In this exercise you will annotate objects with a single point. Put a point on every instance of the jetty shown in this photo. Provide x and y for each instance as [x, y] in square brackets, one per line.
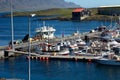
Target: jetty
[8, 52]
[54, 40]
[35, 56]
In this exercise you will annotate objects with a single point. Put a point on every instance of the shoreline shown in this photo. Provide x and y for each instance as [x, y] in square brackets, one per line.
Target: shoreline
[90, 18]
[64, 15]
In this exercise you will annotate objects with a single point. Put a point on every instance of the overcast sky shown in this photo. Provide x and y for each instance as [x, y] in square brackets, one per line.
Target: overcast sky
[95, 3]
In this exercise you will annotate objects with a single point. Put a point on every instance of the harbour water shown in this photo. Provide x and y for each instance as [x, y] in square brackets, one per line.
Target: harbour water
[57, 70]
[62, 27]
[51, 70]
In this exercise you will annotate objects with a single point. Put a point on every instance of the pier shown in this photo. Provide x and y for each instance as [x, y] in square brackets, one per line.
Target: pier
[35, 56]
[33, 43]
[7, 53]
[63, 57]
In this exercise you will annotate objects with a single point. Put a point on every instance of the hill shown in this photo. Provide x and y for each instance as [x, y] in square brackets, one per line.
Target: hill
[33, 5]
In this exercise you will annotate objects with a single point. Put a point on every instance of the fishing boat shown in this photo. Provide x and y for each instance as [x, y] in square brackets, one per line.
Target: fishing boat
[113, 60]
[64, 52]
[45, 32]
[80, 42]
[84, 52]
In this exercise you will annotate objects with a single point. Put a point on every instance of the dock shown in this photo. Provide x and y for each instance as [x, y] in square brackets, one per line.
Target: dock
[33, 43]
[63, 57]
[7, 53]
[35, 56]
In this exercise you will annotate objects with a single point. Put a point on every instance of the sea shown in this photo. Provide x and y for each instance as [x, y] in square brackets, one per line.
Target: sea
[17, 67]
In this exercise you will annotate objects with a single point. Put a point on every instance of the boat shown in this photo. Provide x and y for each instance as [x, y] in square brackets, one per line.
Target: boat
[84, 52]
[64, 52]
[80, 42]
[111, 60]
[45, 32]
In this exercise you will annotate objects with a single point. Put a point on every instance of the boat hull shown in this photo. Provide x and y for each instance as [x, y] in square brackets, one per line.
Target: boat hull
[108, 62]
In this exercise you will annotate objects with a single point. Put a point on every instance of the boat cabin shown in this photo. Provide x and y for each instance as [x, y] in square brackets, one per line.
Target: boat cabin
[45, 32]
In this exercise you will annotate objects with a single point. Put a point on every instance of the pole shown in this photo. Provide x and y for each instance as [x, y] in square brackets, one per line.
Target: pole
[29, 48]
[11, 9]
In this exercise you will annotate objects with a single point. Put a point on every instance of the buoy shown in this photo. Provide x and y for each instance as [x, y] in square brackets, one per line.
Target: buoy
[40, 58]
[43, 58]
[89, 60]
[47, 58]
[32, 57]
[36, 58]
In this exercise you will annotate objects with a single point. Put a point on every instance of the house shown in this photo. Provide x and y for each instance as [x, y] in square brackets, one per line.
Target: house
[80, 13]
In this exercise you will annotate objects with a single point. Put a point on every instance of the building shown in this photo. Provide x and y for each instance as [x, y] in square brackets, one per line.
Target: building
[109, 10]
[80, 14]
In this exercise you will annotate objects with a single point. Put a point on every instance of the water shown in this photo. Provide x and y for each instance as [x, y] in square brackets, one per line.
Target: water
[62, 27]
[51, 70]
[57, 70]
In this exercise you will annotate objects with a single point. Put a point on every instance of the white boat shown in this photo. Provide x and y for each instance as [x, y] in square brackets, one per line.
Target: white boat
[83, 52]
[63, 52]
[45, 32]
[112, 42]
[80, 42]
[107, 61]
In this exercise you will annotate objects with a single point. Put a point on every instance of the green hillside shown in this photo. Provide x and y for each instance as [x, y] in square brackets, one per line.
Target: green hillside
[61, 12]
[64, 14]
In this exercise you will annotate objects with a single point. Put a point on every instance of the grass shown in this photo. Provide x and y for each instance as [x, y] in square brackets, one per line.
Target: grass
[65, 14]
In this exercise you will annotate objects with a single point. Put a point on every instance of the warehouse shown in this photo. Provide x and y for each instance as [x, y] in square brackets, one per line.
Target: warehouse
[109, 10]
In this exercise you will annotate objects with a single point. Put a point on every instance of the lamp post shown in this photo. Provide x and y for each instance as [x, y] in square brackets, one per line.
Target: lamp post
[29, 45]
[12, 28]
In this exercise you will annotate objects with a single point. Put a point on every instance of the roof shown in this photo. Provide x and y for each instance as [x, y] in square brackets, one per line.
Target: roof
[109, 6]
[78, 10]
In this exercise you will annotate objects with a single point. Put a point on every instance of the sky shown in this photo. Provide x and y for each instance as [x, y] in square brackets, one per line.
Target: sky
[95, 3]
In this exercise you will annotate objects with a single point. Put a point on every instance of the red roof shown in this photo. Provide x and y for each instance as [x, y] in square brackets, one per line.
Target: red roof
[78, 10]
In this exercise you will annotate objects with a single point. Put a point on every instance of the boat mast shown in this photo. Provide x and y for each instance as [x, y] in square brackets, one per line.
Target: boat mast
[12, 28]
[29, 47]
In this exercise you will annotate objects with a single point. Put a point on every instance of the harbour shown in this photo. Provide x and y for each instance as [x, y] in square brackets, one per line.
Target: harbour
[59, 40]
[53, 60]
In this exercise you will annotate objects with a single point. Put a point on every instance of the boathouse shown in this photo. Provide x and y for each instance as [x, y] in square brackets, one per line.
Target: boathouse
[80, 13]
[109, 10]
